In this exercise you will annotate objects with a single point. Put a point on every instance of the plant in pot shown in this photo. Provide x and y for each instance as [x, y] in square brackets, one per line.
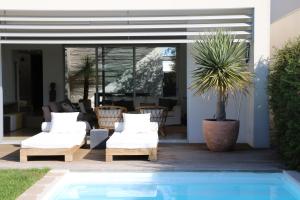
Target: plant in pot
[222, 71]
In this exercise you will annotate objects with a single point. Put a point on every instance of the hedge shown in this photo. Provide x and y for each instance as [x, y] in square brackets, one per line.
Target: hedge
[284, 91]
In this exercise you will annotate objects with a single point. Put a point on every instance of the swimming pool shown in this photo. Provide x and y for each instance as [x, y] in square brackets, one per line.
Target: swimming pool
[175, 185]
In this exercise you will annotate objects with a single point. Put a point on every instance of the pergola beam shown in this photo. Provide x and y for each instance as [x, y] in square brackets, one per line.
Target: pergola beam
[122, 19]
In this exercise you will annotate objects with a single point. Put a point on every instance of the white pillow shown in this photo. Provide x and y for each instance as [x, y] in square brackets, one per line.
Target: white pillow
[63, 122]
[136, 123]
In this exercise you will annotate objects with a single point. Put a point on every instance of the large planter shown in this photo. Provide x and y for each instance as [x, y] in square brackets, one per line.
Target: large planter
[220, 135]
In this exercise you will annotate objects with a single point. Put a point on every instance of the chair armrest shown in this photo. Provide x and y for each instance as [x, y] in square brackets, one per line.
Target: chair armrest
[46, 126]
[119, 126]
[176, 110]
[154, 126]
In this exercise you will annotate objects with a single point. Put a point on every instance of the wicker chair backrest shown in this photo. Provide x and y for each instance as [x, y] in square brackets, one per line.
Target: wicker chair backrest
[108, 115]
[158, 113]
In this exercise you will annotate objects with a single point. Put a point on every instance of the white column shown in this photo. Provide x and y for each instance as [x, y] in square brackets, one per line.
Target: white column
[259, 111]
[1, 96]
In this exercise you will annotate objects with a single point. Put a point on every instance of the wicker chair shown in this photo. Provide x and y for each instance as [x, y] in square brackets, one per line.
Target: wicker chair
[158, 114]
[108, 115]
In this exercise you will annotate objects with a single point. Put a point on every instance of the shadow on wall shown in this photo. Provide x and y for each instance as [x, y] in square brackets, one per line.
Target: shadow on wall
[260, 137]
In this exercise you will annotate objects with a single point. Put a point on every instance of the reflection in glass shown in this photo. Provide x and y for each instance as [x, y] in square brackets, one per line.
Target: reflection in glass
[80, 73]
[125, 71]
[118, 69]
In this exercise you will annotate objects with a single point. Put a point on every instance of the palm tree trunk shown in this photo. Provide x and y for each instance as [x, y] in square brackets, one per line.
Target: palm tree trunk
[86, 88]
[220, 113]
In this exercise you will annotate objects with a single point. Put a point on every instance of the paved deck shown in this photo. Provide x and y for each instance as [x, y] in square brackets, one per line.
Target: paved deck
[183, 157]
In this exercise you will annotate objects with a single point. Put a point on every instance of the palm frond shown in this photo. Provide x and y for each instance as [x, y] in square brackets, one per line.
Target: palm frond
[221, 65]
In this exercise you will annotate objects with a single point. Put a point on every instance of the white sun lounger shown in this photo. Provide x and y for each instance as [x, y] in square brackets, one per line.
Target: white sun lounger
[121, 143]
[49, 143]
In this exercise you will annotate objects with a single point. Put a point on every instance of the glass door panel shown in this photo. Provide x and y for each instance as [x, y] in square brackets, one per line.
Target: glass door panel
[118, 69]
[80, 74]
[155, 71]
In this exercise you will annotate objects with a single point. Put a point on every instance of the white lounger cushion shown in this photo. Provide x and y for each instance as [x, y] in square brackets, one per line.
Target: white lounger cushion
[148, 139]
[132, 141]
[63, 122]
[51, 140]
[136, 122]
[80, 125]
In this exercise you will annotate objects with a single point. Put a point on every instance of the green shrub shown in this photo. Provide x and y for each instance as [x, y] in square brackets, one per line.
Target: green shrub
[284, 90]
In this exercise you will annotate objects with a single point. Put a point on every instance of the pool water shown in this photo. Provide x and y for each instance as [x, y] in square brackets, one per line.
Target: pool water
[176, 185]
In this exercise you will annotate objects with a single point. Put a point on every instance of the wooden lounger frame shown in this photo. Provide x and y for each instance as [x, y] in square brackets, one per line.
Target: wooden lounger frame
[110, 152]
[68, 153]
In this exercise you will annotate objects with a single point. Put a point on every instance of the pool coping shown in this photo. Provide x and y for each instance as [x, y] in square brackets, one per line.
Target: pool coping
[42, 187]
[38, 190]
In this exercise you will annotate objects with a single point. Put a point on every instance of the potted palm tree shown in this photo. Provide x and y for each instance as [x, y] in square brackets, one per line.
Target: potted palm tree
[222, 71]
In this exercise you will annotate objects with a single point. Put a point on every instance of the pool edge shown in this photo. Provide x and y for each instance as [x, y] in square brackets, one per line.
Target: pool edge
[293, 175]
[43, 186]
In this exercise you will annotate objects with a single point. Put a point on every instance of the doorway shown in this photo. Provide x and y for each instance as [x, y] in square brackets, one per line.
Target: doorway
[23, 116]
[29, 81]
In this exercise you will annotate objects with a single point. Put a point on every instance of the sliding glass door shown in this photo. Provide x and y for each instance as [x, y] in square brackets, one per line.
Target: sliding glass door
[120, 73]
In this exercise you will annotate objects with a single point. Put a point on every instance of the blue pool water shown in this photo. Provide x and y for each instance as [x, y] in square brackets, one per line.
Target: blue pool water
[176, 185]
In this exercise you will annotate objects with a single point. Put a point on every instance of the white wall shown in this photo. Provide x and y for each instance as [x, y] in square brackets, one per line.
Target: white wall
[254, 116]
[259, 115]
[281, 8]
[53, 70]
[200, 108]
[285, 29]
[124, 5]
[285, 16]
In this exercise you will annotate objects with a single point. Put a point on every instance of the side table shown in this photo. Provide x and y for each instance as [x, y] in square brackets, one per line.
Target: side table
[98, 138]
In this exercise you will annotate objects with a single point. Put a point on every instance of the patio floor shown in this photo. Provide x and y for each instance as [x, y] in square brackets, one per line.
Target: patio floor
[183, 157]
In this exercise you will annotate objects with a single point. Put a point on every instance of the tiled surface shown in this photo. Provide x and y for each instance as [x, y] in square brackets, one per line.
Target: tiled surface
[39, 189]
[184, 157]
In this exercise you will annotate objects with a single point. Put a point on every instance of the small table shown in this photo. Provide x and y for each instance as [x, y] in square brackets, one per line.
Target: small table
[98, 138]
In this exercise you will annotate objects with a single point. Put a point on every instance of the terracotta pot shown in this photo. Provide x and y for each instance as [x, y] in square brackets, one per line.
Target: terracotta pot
[220, 135]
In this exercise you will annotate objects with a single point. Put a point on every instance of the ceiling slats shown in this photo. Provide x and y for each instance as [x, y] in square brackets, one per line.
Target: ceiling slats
[115, 19]
[80, 27]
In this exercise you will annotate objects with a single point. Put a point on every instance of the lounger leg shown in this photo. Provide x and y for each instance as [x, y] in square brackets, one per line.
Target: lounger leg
[153, 155]
[68, 157]
[23, 156]
[108, 158]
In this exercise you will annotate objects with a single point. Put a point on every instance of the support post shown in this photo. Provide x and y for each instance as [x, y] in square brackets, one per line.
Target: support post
[259, 109]
[1, 95]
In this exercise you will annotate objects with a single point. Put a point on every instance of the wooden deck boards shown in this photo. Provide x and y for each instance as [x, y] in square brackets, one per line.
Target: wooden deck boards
[183, 157]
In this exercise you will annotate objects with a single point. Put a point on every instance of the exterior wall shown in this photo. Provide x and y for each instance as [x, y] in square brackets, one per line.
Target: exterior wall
[259, 109]
[285, 16]
[125, 5]
[53, 70]
[285, 29]
[254, 117]
[199, 108]
[281, 8]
